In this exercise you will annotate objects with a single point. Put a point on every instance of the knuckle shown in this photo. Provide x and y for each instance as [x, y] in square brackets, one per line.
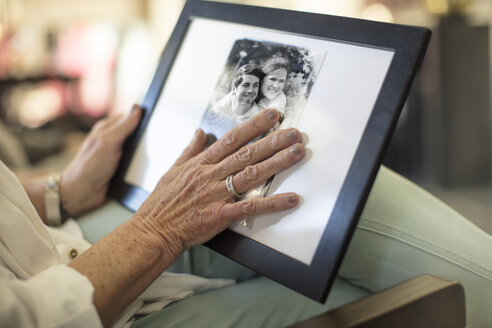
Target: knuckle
[192, 176]
[229, 138]
[247, 207]
[277, 162]
[244, 155]
[250, 174]
[201, 160]
[271, 203]
[273, 141]
[253, 124]
[198, 173]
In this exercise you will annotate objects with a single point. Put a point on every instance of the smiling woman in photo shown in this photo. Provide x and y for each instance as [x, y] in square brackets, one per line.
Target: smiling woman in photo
[272, 95]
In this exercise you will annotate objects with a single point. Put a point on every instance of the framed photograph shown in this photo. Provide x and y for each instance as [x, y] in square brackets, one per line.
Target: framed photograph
[341, 81]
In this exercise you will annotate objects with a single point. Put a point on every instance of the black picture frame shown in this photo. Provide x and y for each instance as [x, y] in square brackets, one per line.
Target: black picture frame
[409, 45]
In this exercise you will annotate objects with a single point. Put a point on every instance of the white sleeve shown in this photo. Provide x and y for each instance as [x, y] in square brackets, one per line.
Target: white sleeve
[56, 297]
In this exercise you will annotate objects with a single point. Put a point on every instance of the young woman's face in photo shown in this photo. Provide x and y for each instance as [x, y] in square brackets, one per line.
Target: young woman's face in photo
[274, 83]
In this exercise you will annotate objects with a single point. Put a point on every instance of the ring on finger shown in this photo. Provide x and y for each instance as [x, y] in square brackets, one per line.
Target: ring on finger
[230, 187]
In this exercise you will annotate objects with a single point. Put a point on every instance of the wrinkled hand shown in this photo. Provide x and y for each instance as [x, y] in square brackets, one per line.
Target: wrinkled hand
[191, 203]
[85, 182]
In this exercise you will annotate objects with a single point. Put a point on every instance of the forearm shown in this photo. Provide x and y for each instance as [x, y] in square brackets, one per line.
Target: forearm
[121, 266]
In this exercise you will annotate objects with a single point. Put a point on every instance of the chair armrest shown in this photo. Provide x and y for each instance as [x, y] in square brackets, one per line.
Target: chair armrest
[424, 301]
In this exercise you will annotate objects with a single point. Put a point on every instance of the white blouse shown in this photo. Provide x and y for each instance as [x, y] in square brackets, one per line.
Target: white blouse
[37, 289]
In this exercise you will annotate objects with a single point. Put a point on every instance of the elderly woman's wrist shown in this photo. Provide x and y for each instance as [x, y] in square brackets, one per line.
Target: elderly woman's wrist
[67, 199]
[167, 244]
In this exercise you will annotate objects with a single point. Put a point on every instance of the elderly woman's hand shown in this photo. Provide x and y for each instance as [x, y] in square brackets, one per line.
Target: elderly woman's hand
[85, 182]
[191, 203]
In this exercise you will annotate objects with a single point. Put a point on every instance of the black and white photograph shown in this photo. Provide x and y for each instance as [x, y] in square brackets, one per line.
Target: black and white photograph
[260, 75]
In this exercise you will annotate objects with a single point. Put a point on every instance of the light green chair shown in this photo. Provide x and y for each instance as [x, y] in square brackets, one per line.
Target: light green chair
[404, 232]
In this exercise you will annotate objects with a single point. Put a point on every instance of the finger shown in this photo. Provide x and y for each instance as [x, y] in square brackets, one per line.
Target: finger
[196, 146]
[254, 175]
[103, 124]
[123, 127]
[240, 135]
[258, 151]
[255, 206]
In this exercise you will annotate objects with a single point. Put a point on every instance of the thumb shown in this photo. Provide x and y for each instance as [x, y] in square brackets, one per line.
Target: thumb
[127, 124]
[196, 146]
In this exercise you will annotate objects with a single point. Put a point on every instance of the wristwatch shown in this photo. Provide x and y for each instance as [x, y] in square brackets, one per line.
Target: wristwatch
[53, 207]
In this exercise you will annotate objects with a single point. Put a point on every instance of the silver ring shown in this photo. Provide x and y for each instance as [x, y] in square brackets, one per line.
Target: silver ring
[230, 187]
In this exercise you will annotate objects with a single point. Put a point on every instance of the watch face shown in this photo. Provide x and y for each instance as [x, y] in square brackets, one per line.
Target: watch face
[53, 183]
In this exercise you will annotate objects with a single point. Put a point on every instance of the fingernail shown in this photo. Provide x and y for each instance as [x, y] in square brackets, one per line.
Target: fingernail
[211, 139]
[292, 198]
[271, 114]
[295, 150]
[197, 132]
[135, 109]
[292, 135]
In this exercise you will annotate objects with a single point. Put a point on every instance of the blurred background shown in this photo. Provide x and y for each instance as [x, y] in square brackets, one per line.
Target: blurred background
[65, 64]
